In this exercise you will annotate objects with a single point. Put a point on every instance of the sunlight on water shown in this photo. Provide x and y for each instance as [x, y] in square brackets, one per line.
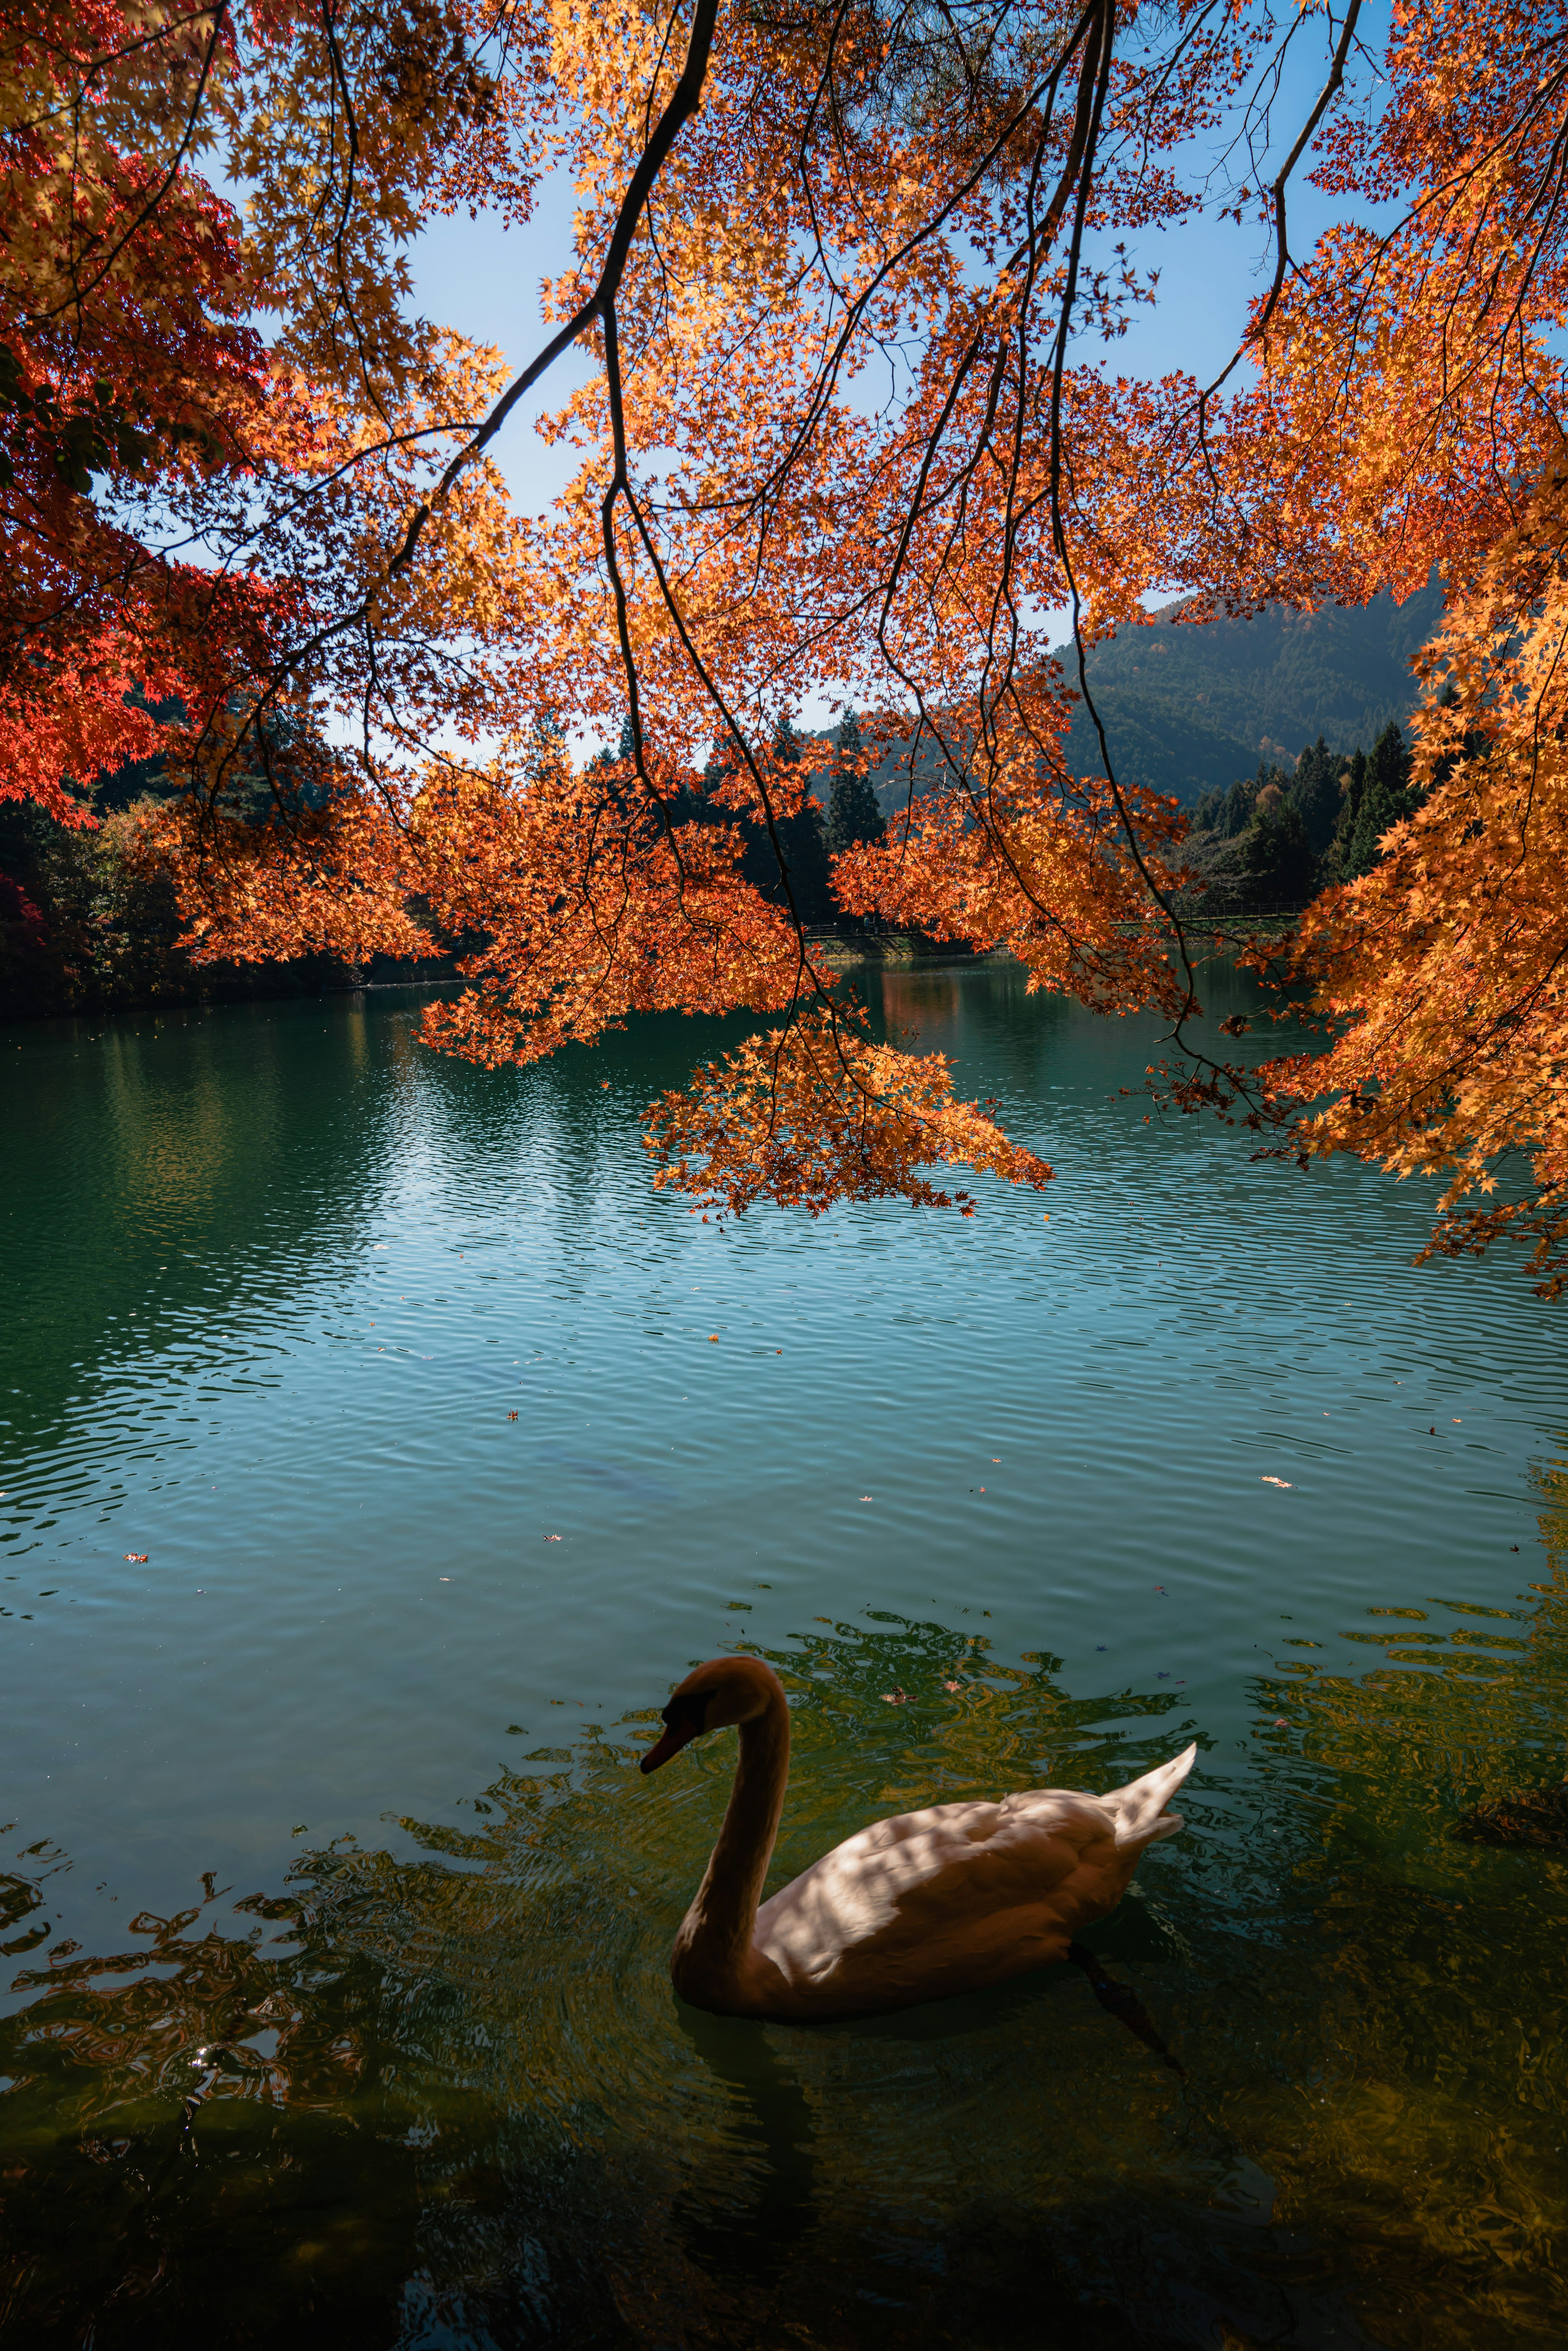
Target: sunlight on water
[336, 1915]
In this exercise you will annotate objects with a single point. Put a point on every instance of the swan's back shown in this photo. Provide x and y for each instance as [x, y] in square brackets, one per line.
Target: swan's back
[960, 1895]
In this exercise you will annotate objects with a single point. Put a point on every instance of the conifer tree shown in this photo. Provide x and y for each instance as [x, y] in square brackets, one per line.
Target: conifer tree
[1385, 797]
[1277, 853]
[1353, 787]
[1314, 794]
[854, 815]
[1208, 811]
[1240, 803]
[800, 842]
[804, 837]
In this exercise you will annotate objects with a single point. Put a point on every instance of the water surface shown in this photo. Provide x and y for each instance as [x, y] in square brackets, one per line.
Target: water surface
[337, 1913]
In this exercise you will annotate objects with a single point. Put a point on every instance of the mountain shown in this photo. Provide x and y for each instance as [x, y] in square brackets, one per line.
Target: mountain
[1187, 704]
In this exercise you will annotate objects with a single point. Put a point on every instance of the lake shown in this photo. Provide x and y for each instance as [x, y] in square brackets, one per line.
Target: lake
[378, 1452]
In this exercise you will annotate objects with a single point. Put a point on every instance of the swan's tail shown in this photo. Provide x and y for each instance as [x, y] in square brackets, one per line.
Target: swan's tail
[1139, 1808]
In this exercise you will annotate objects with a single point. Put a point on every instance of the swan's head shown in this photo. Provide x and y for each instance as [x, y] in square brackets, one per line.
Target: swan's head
[725, 1690]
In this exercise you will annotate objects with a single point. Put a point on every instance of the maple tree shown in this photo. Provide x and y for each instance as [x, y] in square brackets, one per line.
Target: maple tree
[851, 274]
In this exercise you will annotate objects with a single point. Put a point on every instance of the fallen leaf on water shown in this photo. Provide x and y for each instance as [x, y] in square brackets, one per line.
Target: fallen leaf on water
[511, 1416]
[952, 1685]
[868, 1498]
[552, 1539]
[895, 1698]
[446, 1579]
[137, 1558]
[713, 1338]
[1267, 1480]
[1281, 1723]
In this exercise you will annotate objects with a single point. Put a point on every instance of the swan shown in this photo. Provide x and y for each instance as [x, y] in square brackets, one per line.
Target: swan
[945, 1900]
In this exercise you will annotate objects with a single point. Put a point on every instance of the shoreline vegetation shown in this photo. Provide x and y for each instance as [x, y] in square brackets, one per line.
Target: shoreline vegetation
[84, 927]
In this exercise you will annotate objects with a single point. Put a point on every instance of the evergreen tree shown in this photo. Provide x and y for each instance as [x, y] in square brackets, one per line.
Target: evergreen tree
[1209, 812]
[1383, 797]
[625, 750]
[1279, 859]
[805, 840]
[852, 813]
[1313, 793]
[801, 841]
[1353, 785]
[548, 752]
[1240, 803]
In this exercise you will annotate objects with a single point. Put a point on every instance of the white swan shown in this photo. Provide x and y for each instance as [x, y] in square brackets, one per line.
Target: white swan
[910, 1910]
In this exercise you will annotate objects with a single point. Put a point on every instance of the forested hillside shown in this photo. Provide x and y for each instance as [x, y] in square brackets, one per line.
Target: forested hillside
[1189, 705]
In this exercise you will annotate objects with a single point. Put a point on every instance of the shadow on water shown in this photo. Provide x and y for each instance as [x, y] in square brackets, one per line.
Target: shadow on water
[775, 2143]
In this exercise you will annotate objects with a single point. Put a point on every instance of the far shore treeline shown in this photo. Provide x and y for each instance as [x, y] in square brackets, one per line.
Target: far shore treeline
[84, 927]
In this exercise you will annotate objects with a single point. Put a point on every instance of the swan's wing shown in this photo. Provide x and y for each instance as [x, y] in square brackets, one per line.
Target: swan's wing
[952, 1875]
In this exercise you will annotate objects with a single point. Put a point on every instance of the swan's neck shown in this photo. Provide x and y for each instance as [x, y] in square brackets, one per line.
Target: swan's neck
[712, 1951]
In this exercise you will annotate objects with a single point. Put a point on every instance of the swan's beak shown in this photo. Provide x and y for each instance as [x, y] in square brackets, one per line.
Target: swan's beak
[677, 1734]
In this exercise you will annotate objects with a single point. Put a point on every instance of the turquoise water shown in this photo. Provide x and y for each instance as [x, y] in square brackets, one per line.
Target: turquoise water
[337, 2008]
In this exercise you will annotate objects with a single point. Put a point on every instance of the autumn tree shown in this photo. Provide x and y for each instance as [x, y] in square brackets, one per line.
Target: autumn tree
[208, 423]
[851, 278]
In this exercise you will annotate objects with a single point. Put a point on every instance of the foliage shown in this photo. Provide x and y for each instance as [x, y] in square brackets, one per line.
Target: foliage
[83, 925]
[188, 503]
[817, 1112]
[1441, 966]
[86, 922]
[846, 278]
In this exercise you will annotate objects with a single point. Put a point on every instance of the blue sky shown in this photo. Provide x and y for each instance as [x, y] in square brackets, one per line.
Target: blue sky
[484, 279]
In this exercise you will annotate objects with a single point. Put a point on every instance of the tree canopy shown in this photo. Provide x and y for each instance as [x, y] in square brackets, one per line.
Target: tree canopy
[851, 277]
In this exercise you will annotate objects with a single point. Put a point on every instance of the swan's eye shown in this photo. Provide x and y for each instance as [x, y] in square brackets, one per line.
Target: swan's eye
[688, 1713]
